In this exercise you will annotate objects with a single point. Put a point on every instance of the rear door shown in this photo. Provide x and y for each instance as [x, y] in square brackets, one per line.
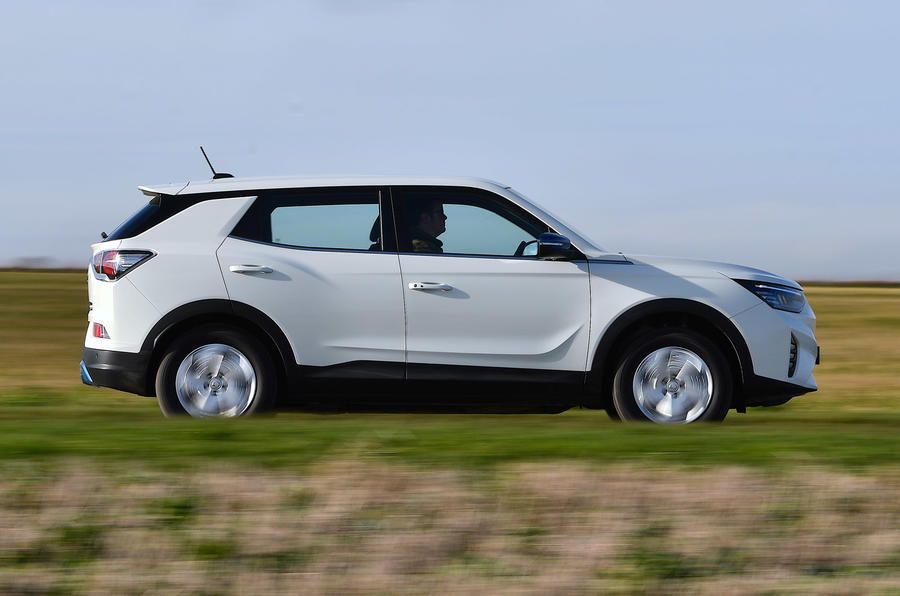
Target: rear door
[474, 298]
[313, 261]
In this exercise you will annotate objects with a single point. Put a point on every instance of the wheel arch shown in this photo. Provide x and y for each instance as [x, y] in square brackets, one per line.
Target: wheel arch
[219, 312]
[664, 312]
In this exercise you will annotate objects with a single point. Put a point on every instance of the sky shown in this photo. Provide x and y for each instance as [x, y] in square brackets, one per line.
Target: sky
[765, 133]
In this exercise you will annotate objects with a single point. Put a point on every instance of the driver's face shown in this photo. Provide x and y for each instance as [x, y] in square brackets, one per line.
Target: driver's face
[434, 221]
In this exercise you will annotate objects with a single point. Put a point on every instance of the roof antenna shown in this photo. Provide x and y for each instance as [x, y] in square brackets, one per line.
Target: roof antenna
[216, 175]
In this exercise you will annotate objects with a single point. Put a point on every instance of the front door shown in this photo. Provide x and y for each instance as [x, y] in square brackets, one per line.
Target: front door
[475, 298]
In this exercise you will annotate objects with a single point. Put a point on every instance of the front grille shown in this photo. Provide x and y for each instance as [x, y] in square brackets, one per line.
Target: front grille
[792, 359]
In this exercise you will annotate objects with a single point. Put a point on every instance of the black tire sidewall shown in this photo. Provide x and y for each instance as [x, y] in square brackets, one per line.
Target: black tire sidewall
[622, 391]
[249, 346]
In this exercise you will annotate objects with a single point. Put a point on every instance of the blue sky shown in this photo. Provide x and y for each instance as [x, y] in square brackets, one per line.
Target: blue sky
[763, 133]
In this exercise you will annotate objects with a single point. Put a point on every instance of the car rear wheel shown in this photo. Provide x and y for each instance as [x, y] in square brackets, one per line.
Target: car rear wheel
[672, 377]
[214, 372]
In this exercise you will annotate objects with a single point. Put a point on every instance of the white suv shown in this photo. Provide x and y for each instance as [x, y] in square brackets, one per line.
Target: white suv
[223, 297]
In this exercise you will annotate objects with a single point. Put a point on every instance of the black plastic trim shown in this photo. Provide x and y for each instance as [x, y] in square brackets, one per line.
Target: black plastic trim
[378, 370]
[124, 371]
[388, 227]
[359, 369]
[456, 255]
[490, 374]
[221, 306]
[605, 360]
[763, 391]
[238, 310]
[601, 261]
[307, 248]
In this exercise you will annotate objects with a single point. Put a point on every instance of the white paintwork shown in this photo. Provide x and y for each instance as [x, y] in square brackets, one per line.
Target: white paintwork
[343, 306]
[183, 270]
[121, 308]
[615, 288]
[517, 313]
[768, 334]
[333, 306]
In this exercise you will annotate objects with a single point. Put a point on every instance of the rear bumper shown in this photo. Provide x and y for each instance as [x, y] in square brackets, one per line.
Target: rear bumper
[124, 371]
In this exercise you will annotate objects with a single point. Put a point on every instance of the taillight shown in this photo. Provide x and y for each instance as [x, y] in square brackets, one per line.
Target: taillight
[100, 331]
[110, 265]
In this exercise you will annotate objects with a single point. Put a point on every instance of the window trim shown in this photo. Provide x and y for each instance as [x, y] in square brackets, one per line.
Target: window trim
[389, 230]
[258, 210]
[578, 256]
[309, 248]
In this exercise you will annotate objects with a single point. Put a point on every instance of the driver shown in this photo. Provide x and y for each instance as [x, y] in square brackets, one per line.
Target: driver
[427, 223]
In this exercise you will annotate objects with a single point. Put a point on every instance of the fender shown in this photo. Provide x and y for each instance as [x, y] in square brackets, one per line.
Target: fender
[232, 308]
[604, 354]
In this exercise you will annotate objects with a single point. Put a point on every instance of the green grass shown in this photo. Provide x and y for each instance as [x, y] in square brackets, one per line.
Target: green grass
[45, 413]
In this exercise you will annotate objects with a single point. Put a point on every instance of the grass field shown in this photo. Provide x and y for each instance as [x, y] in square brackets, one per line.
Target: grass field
[99, 493]
[45, 411]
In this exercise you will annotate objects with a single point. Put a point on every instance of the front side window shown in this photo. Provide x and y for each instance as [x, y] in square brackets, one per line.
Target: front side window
[463, 221]
[333, 218]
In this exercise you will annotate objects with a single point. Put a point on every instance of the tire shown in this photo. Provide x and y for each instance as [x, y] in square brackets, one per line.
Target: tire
[216, 372]
[611, 412]
[672, 377]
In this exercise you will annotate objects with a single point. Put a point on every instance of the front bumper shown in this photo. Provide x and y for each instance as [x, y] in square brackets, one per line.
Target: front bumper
[124, 371]
[762, 391]
[769, 335]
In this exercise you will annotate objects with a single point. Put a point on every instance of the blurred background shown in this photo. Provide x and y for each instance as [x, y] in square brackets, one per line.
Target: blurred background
[766, 131]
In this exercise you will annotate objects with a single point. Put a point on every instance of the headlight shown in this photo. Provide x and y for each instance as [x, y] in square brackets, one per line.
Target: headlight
[776, 296]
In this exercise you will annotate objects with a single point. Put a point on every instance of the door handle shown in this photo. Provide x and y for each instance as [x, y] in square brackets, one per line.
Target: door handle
[250, 269]
[428, 286]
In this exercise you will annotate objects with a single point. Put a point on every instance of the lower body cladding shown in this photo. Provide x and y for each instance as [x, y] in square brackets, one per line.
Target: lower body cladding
[384, 386]
[124, 371]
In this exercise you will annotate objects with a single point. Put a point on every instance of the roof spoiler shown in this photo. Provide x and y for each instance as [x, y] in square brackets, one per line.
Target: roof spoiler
[167, 189]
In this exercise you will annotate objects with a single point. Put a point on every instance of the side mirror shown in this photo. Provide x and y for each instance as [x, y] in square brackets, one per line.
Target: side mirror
[553, 247]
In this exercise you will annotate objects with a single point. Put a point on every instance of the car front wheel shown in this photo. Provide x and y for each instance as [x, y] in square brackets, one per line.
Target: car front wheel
[215, 372]
[672, 377]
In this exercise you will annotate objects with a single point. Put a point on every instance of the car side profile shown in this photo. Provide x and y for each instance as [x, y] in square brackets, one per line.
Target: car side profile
[233, 296]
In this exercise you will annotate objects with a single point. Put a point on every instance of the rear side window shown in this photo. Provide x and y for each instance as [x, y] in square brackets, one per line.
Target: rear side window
[342, 226]
[327, 218]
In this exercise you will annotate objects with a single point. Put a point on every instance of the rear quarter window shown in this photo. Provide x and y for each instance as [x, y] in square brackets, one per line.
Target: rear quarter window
[141, 221]
[158, 210]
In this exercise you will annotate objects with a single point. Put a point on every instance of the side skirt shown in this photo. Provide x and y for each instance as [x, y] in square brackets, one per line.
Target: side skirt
[380, 386]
